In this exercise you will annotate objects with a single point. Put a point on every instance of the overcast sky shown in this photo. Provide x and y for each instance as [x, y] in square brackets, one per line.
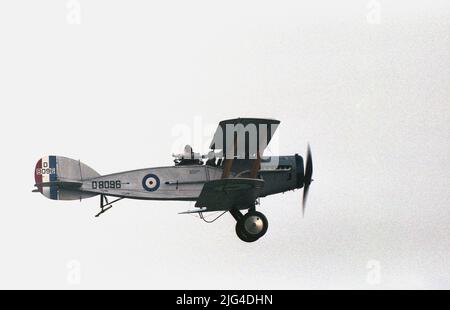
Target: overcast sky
[367, 83]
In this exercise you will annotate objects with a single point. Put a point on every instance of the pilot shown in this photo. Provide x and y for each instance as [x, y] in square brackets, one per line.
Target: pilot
[211, 159]
[189, 157]
[188, 152]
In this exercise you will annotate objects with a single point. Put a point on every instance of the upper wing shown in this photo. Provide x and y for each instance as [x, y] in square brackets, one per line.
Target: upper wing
[226, 194]
[244, 138]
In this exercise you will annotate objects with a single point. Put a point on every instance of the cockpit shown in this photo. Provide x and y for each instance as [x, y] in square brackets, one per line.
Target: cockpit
[189, 157]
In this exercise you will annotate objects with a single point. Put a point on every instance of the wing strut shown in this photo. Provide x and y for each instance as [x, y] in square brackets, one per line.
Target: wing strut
[256, 166]
[229, 161]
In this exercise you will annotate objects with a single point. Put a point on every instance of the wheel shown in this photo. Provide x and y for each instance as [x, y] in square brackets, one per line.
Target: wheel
[240, 232]
[252, 226]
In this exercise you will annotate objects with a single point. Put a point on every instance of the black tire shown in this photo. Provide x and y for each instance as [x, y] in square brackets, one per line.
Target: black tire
[248, 236]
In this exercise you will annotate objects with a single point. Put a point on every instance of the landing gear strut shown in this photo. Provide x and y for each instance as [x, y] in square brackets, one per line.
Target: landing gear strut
[105, 207]
[251, 226]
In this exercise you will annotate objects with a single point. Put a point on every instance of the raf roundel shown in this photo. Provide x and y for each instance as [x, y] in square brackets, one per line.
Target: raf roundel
[150, 182]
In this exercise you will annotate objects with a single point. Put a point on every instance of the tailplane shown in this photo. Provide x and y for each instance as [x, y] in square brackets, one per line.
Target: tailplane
[61, 178]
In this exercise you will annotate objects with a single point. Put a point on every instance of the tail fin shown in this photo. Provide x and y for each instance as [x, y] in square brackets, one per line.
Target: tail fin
[60, 178]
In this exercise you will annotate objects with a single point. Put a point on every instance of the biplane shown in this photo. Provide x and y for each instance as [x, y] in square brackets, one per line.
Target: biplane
[231, 177]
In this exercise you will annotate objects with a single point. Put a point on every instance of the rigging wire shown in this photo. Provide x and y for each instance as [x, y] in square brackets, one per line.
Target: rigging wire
[212, 221]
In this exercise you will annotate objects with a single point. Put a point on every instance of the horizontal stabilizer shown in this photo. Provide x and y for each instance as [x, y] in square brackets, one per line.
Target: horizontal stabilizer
[61, 184]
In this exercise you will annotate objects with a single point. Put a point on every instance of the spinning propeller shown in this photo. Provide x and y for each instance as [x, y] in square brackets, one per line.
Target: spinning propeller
[307, 178]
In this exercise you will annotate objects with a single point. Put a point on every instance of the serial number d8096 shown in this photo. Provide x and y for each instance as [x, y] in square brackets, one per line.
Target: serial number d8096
[106, 184]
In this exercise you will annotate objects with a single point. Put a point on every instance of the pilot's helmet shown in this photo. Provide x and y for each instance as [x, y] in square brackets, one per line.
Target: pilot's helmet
[188, 152]
[211, 155]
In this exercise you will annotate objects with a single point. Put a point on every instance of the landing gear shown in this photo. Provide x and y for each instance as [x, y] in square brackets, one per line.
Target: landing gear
[106, 206]
[251, 226]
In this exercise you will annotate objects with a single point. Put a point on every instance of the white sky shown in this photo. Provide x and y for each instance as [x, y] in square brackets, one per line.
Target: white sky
[371, 96]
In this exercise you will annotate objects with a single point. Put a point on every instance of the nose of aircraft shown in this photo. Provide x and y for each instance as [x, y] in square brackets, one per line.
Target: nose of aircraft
[304, 174]
[300, 171]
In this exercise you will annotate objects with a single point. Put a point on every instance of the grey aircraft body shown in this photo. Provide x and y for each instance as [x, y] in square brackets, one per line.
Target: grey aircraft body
[232, 177]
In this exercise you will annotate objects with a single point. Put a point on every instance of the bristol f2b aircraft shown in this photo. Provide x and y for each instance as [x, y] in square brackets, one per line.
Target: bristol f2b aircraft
[232, 177]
